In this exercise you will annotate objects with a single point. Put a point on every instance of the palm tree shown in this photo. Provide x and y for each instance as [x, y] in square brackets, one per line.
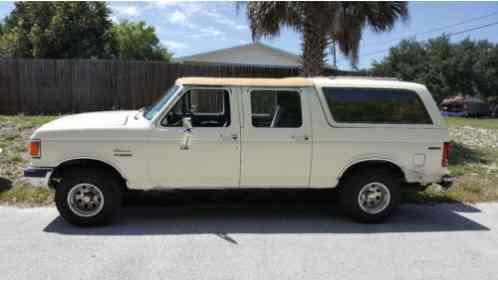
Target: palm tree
[322, 22]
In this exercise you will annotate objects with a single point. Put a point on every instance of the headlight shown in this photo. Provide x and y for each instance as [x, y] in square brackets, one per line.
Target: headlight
[35, 148]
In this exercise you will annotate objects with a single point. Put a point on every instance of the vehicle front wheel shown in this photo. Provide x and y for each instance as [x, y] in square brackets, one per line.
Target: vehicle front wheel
[371, 196]
[87, 197]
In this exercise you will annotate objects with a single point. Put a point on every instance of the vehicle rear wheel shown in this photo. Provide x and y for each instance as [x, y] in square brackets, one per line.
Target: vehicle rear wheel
[87, 197]
[370, 196]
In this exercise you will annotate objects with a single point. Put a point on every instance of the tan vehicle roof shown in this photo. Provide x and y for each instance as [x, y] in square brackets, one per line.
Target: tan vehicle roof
[216, 81]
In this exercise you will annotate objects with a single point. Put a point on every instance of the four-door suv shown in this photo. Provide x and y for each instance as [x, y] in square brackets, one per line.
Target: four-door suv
[368, 137]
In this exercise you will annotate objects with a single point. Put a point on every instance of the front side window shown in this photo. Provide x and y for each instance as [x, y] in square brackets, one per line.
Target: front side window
[205, 107]
[376, 106]
[276, 109]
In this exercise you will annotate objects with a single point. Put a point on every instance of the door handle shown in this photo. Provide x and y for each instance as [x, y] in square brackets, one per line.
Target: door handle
[183, 131]
[232, 137]
[301, 137]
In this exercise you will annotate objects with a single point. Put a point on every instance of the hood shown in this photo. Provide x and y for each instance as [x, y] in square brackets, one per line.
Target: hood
[93, 120]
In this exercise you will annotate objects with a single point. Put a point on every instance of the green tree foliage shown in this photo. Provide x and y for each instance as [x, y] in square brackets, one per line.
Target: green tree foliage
[447, 69]
[318, 22]
[58, 30]
[137, 41]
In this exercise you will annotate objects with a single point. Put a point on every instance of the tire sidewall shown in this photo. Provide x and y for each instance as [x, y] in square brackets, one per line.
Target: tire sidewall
[110, 191]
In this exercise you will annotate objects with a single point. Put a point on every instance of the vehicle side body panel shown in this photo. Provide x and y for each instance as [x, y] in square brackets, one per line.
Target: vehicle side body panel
[416, 149]
[148, 155]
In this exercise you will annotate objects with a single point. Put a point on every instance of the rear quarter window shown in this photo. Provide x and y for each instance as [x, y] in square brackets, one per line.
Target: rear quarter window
[375, 106]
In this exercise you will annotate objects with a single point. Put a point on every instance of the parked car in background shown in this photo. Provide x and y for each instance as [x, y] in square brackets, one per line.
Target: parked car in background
[366, 137]
[493, 111]
[467, 106]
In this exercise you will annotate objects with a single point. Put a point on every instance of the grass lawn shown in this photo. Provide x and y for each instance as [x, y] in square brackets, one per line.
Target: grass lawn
[473, 162]
[455, 122]
[14, 135]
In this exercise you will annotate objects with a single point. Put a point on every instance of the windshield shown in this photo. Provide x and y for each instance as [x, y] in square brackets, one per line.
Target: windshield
[162, 102]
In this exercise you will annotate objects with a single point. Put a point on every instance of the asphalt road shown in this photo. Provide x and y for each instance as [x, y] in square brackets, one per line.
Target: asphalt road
[254, 242]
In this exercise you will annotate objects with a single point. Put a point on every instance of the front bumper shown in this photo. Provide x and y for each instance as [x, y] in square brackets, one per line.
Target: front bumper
[37, 176]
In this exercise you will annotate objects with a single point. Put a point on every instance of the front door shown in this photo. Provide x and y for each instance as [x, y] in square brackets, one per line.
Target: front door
[212, 159]
[276, 139]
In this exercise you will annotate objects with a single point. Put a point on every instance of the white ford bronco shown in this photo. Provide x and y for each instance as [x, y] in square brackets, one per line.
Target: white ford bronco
[367, 137]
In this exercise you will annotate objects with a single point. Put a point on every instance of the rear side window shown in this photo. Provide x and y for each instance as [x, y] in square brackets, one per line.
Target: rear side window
[276, 109]
[376, 106]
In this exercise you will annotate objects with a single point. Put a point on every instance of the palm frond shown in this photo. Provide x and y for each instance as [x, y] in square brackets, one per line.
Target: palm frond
[319, 21]
[267, 18]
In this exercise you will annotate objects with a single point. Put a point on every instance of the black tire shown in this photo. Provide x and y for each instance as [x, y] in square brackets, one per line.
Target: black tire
[110, 190]
[353, 184]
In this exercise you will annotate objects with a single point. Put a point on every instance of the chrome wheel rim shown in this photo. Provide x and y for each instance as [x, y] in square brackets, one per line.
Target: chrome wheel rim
[374, 197]
[85, 200]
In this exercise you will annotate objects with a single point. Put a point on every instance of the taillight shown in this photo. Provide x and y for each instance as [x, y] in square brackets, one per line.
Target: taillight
[35, 148]
[446, 154]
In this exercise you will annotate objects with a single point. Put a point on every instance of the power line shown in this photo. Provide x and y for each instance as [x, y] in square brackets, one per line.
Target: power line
[435, 29]
[432, 31]
[449, 34]
[474, 28]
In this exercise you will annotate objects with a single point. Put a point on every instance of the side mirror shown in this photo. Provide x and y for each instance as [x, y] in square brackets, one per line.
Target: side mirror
[187, 123]
[187, 133]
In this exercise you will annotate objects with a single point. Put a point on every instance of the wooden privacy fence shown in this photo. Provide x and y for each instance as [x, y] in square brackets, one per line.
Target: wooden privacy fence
[67, 86]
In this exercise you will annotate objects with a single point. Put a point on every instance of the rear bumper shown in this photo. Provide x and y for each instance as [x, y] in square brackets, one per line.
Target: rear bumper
[446, 181]
[37, 176]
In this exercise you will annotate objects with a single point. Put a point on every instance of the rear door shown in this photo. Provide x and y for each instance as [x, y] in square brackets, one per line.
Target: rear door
[276, 138]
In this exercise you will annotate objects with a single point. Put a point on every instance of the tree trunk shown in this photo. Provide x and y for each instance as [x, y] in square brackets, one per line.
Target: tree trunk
[334, 54]
[314, 40]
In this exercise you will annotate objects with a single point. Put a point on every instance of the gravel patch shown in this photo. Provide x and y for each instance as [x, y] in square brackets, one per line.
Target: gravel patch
[475, 137]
